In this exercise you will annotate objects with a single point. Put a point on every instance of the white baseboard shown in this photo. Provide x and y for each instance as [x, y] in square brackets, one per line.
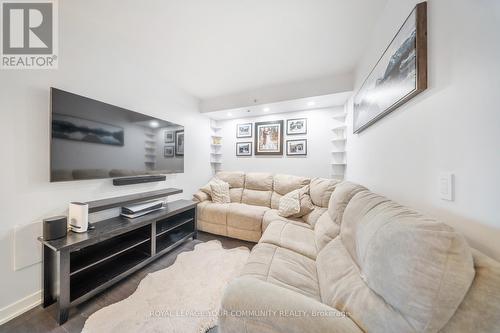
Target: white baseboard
[17, 308]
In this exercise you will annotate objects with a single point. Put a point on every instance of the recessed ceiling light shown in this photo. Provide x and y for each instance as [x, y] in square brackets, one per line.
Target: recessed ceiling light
[267, 109]
[154, 123]
[311, 103]
[229, 114]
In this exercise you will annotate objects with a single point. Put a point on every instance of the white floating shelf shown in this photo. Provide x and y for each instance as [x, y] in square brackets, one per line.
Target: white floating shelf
[339, 139]
[216, 136]
[338, 163]
[216, 144]
[215, 153]
[216, 162]
[338, 152]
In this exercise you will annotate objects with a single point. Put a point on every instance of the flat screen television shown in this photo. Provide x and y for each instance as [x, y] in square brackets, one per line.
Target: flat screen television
[92, 139]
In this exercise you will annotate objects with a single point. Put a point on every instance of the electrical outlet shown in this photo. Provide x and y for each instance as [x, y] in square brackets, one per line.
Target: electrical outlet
[446, 186]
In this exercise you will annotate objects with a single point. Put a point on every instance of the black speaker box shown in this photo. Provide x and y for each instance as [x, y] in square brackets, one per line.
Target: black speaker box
[55, 227]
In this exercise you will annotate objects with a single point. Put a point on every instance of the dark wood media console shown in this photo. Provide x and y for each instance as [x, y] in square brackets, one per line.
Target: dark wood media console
[79, 266]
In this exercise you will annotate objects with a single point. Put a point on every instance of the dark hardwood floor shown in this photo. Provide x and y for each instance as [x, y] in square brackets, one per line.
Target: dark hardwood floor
[39, 320]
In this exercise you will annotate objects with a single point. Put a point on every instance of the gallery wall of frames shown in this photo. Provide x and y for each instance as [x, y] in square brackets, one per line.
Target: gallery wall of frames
[278, 137]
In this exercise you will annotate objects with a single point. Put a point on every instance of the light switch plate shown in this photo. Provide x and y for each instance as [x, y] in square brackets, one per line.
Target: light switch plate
[446, 186]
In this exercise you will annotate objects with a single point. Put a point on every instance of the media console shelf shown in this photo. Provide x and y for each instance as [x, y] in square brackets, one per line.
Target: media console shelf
[79, 266]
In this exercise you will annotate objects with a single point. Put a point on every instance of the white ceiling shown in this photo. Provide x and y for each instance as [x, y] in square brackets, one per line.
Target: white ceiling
[219, 47]
[301, 104]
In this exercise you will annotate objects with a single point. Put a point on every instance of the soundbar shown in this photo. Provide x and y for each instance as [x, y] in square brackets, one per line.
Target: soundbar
[138, 180]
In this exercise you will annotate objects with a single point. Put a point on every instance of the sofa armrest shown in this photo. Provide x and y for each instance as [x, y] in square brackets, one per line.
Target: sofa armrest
[201, 196]
[254, 306]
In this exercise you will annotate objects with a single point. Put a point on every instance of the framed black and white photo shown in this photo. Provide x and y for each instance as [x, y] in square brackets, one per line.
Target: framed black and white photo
[169, 137]
[269, 138]
[168, 151]
[243, 149]
[179, 143]
[399, 75]
[296, 147]
[296, 126]
[244, 130]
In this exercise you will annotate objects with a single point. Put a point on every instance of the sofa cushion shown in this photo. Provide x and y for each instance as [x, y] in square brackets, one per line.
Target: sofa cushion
[283, 267]
[321, 190]
[256, 197]
[234, 178]
[283, 184]
[273, 215]
[246, 217]
[343, 288]
[343, 193]
[313, 216]
[325, 230]
[275, 200]
[418, 266]
[480, 309]
[291, 236]
[212, 212]
[289, 204]
[261, 181]
[235, 194]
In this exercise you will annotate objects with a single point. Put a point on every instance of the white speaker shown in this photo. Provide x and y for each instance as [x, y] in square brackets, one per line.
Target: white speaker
[78, 216]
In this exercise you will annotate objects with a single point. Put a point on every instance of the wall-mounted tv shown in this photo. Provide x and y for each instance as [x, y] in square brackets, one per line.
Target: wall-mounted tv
[92, 139]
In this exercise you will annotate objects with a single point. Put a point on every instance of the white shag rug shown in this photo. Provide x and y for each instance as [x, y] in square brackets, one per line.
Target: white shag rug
[182, 298]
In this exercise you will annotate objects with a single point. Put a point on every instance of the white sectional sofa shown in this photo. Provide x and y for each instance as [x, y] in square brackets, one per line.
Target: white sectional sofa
[365, 264]
[254, 203]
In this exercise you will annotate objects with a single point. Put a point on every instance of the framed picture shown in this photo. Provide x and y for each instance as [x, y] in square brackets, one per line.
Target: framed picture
[296, 126]
[168, 151]
[296, 147]
[169, 137]
[86, 130]
[243, 149]
[179, 143]
[269, 138]
[399, 75]
[244, 130]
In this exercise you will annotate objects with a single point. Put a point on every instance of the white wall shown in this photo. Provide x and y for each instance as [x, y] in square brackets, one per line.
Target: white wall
[453, 126]
[315, 164]
[94, 64]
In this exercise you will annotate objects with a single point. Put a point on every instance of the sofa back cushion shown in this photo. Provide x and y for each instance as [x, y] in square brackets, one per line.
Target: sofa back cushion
[258, 189]
[321, 190]
[283, 184]
[420, 268]
[480, 309]
[343, 193]
[235, 179]
[328, 225]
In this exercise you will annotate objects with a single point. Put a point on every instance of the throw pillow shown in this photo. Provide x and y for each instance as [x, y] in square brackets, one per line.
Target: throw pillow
[206, 189]
[306, 204]
[220, 192]
[289, 204]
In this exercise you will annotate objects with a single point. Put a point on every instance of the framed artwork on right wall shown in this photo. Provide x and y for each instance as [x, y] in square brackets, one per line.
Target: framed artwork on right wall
[399, 75]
